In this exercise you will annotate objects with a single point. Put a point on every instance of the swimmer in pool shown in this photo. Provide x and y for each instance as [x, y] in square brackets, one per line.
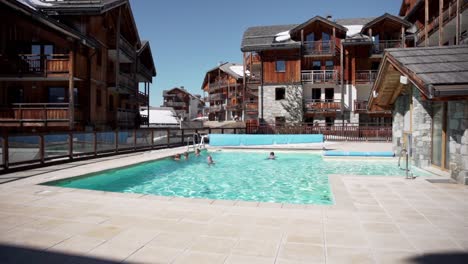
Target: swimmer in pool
[272, 156]
[177, 156]
[210, 160]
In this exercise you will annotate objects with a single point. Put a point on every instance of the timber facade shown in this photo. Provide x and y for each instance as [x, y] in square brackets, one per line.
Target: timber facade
[83, 72]
[186, 105]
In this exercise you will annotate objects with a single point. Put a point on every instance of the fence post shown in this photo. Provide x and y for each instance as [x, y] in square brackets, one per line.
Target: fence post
[235, 130]
[209, 130]
[222, 130]
[116, 141]
[95, 143]
[168, 138]
[183, 134]
[152, 138]
[41, 148]
[5, 157]
[134, 139]
[70, 145]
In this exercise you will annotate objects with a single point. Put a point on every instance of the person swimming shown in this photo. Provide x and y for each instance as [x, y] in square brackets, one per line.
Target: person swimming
[197, 152]
[272, 156]
[210, 160]
[177, 156]
[186, 155]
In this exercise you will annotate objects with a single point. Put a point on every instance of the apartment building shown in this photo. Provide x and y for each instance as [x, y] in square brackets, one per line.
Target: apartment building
[328, 65]
[185, 105]
[223, 86]
[426, 88]
[75, 65]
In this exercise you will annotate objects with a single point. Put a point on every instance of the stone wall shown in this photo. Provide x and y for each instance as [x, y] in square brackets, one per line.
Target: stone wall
[421, 130]
[457, 130]
[401, 107]
[272, 108]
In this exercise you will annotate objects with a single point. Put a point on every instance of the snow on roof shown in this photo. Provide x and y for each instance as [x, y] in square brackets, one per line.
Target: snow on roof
[353, 29]
[282, 36]
[33, 4]
[161, 116]
[239, 70]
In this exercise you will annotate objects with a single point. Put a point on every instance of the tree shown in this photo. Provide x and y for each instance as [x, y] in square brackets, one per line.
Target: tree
[294, 104]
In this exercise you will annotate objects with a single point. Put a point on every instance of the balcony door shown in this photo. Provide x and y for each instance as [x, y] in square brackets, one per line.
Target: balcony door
[310, 37]
[326, 47]
[329, 94]
[316, 94]
[440, 140]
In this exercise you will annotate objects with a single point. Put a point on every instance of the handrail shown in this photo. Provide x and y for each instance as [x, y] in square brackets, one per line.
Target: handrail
[320, 76]
[409, 175]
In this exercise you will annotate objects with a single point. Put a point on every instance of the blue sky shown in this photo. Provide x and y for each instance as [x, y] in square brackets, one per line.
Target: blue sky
[189, 37]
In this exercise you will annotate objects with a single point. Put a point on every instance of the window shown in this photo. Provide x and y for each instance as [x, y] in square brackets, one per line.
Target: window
[56, 95]
[15, 95]
[98, 97]
[75, 95]
[316, 65]
[111, 103]
[310, 37]
[280, 121]
[375, 65]
[329, 65]
[326, 42]
[329, 94]
[316, 93]
[280, 66]
[280, 93]
[330, 121]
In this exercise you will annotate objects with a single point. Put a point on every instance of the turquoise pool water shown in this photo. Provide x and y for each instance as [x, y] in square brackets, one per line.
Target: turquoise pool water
[292, 178]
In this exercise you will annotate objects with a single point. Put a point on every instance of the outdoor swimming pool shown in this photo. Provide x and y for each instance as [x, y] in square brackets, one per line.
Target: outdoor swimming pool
[297, 178]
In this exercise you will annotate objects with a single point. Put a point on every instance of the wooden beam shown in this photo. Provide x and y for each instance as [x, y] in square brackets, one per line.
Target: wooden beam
[458, 24]
[441, 22]
[71, 85]
[403, 37]
[426, 22]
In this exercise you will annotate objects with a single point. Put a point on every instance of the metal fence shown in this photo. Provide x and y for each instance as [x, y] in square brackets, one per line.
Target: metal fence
[22, 151]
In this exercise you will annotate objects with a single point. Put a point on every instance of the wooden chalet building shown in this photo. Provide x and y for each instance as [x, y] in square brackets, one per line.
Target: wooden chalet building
[71, 65]
[333, 62]
[426, 88]
[224, 90]
[185, 105]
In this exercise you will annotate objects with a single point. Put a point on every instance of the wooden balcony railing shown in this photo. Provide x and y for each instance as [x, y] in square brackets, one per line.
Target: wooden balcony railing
[251, 106]
[327, 105]
[37, 114]
[366, 76]
[326, 76]
[143, 70]
[128, 82]
[217, 97]
[449, 13]
[126, 117]
[217, 108]
[360, 106]
[34, 65]
[174, 104]
[127, 48]
[142, 98]
[318, 47]
[381, 46]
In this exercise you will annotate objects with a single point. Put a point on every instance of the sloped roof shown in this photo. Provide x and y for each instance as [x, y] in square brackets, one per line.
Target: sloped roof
[161, 116]
[354, 21]
[435, 71]
[146, 46]
[319, 19]
[77, 7]
[263, 37]
[383, 17]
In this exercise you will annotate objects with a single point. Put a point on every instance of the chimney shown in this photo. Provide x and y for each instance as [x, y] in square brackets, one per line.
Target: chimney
[329, 17]
[182, 87]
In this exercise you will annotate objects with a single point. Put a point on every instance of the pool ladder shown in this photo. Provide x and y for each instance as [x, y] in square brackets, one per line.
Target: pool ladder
[194, 142]
[409, 174]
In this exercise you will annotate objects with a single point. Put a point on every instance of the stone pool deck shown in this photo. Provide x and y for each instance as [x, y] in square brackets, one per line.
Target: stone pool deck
[374, 220]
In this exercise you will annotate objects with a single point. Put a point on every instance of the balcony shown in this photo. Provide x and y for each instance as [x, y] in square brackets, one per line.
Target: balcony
[37, 115]
[127, 52]
[34, 65]
[217, 97]
[144, 71]
[361, 107]
[433, 25]
[174, 104]
[319, 105]
[251, 107]
[366, 76]
[331, 76]
[126, 117]
[127, 82]
[217, 108]
[379, 47]
[314, 48]
[142, 98]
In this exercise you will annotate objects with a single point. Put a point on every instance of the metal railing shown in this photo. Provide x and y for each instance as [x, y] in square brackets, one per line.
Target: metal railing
[318, 47]
[174, 104]
[322, 105]
[325, 76]
[381, 46]
[24, 151]
[331, 132]
[368, 76]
